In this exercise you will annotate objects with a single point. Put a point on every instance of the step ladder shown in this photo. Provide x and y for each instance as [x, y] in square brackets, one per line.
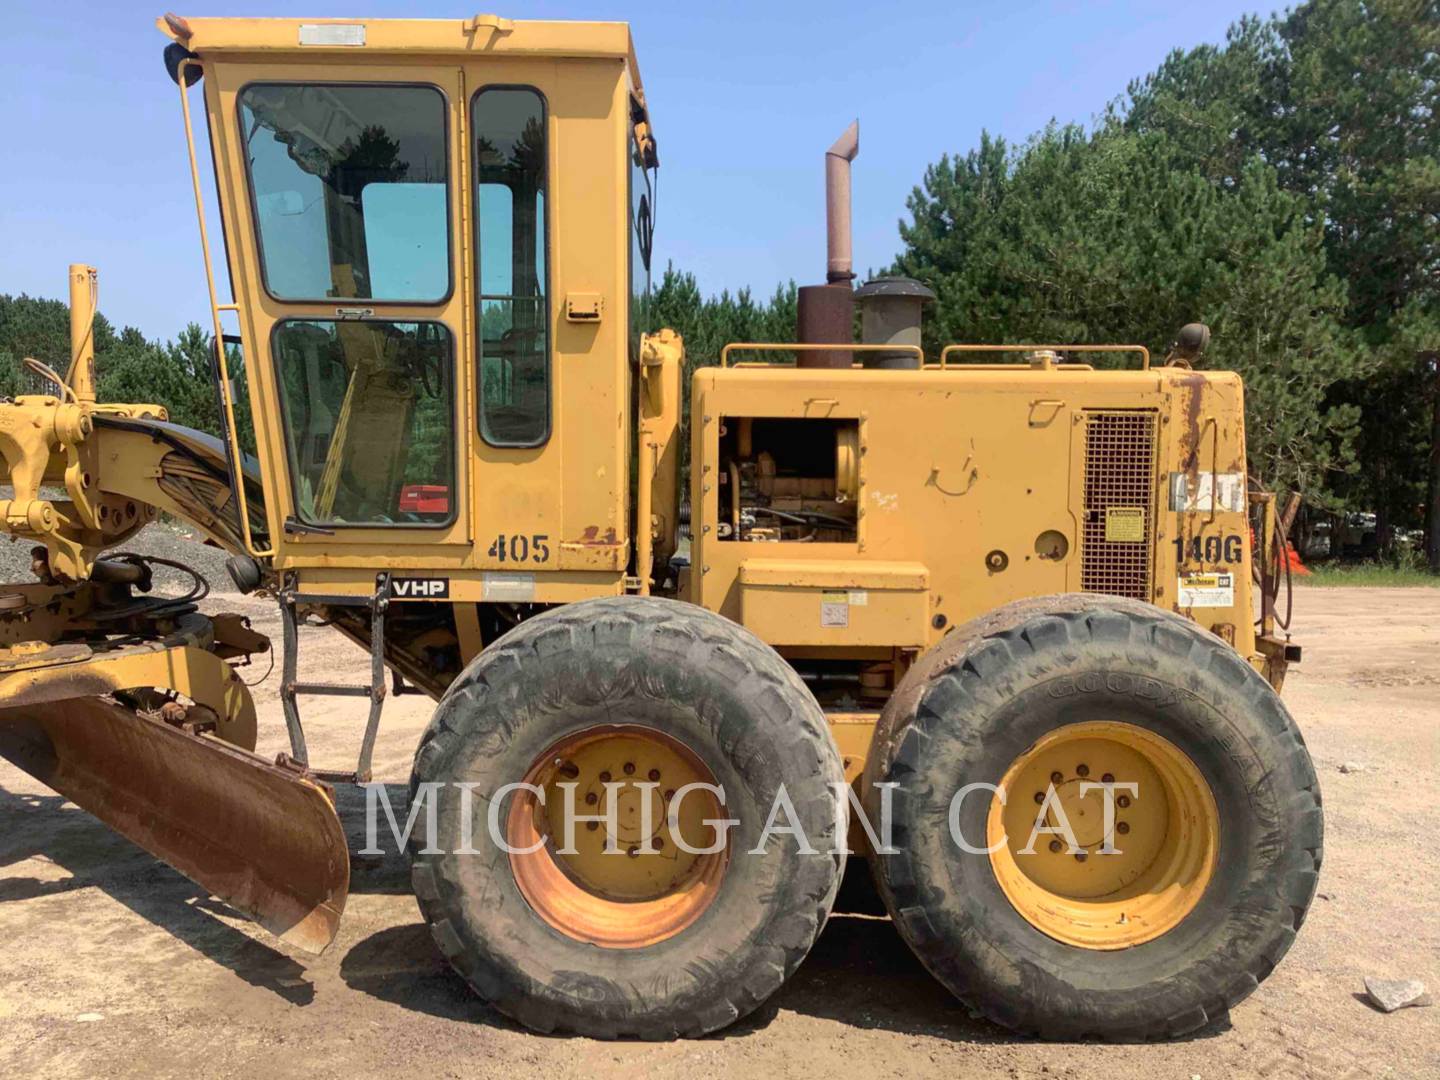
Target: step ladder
[291, 689]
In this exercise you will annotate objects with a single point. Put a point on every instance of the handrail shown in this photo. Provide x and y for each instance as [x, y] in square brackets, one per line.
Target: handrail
[232, 438]
[948, 350]
[937, 366]
[797, 347]
[916, 351]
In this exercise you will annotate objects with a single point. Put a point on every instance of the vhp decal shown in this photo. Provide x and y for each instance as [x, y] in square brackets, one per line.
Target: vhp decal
[433, 588]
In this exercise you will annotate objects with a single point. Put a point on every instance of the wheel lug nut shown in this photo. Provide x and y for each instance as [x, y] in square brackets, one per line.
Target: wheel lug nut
[1122, 827]
[1055, 846]
[654, 774]
[1082, 770]
[1108, 778]
[629, 767]
[1057, 777]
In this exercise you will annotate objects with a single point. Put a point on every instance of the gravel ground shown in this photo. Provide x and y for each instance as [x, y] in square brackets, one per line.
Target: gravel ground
[112, 964]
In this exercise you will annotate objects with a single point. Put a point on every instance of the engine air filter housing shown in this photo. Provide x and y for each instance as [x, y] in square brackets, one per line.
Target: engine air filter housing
[890, 315]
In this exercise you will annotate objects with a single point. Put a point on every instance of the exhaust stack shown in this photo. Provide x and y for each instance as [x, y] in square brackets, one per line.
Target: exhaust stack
[826, 312]
[837, 206]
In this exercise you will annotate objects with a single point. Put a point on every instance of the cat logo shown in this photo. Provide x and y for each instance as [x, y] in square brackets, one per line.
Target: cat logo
[434, 588]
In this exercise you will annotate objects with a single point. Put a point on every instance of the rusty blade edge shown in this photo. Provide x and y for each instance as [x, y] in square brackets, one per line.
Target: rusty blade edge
[264, 840]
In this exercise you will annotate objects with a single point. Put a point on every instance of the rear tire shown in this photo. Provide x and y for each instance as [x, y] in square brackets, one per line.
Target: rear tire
[736, 710]
[980, 702]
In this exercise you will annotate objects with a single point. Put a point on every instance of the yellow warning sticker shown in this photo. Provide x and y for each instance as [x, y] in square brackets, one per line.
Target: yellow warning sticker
[1125, 525]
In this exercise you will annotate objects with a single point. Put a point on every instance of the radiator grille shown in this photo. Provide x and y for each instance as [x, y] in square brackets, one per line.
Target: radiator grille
[1119, 477]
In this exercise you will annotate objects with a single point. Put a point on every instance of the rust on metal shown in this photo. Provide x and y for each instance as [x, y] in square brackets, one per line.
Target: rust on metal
[581, 889]
[1192, 389]
[824, 316]
[593, 537]
[265, 841]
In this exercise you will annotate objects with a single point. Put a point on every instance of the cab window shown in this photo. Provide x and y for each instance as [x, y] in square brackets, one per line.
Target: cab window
[368, 414]
[508, 124]
[349, 190]
[642, 235]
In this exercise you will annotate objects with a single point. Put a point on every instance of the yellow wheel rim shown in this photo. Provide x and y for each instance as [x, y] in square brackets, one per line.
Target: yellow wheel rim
[626, 881]
[1164, 835]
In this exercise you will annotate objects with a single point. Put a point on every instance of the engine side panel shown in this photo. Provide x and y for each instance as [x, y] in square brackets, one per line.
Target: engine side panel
[969, 489]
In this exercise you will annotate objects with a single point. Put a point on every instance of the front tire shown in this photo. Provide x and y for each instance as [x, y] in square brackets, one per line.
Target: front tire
[637, 943]
[1222, 862]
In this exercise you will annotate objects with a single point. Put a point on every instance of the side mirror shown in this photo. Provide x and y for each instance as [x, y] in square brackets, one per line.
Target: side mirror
[175, 55]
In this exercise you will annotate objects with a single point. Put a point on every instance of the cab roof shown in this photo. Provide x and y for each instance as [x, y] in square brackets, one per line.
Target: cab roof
[480, 34]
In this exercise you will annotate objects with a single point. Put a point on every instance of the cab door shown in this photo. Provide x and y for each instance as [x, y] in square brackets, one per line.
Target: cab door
[343, 192]
[547, 191]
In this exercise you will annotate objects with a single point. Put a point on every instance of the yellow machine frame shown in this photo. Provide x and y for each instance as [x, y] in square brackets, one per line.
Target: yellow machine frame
[963, 485]
[924, 535]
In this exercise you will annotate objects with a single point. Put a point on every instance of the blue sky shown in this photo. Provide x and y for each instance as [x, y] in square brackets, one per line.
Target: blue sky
[745, 98]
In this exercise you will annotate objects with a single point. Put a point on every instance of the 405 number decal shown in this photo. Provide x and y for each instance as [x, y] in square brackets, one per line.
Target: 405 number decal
[520, 547]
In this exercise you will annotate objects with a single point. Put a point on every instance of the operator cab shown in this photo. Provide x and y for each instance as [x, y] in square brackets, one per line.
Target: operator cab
[414, 322]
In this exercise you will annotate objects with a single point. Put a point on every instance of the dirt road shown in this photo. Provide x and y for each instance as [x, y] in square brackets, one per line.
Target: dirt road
[112, 964]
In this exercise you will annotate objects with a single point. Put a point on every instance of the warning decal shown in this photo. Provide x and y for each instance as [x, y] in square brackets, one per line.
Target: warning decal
[1125, 525]
[835, 610]
[1206, 590]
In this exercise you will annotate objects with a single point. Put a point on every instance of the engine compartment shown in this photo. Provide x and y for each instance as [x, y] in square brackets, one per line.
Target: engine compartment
[789, 480]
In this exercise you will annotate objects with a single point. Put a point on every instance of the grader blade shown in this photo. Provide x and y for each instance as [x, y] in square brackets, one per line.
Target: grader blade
[264, 839]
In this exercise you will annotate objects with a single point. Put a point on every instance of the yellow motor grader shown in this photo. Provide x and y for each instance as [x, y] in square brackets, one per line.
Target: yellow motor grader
[998, 620]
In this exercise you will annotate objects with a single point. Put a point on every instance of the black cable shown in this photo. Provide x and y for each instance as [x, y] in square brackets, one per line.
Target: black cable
[268, 672]
[199, 589]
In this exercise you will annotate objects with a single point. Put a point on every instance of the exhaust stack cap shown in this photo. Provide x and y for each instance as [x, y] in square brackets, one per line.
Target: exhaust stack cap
[890, 315]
